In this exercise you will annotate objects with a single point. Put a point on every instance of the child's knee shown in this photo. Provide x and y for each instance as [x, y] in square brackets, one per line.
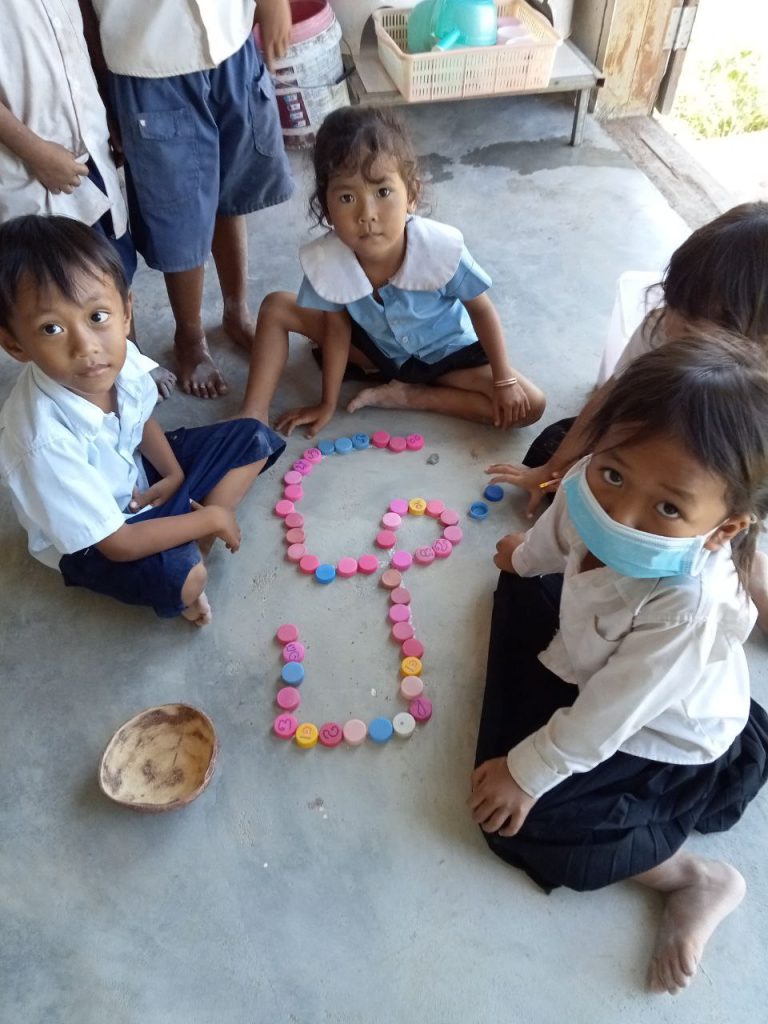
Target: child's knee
[194, 584]
[277, 307]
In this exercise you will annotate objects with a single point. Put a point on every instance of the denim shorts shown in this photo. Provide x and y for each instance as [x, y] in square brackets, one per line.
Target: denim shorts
[206, 454]
[414, 370]
[199, 145]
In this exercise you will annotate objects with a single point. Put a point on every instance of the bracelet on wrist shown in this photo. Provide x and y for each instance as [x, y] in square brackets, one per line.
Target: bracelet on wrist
[506, 383]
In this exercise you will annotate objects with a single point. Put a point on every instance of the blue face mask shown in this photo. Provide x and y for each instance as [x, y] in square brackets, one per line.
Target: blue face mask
[629, 552]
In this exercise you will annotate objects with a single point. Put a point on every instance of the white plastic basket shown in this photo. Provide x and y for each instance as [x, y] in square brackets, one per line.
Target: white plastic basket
[469, 70]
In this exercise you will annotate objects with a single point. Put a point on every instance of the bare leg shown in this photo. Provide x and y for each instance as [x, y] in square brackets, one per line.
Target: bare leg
[230, 254]
[198, 374]
[758, 588]
[278, 316]
[197, 608]
[699, 895]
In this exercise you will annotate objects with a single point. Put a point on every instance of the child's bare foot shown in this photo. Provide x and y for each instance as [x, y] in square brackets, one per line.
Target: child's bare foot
[691, 915]
[394, 395]
[239, 325]
[165, 381]
[199, 612]
[758, 588]
[198, 374]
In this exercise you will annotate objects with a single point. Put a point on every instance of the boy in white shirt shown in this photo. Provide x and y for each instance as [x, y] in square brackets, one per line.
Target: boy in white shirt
[104, 495]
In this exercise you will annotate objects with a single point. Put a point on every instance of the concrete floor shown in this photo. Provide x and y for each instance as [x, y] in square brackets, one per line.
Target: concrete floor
[341, 886]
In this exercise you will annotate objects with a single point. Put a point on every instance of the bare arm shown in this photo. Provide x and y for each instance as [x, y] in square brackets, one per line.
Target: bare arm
[510, 403]
[274, 21]
[137, 540]
[154, 446]
[51, 164]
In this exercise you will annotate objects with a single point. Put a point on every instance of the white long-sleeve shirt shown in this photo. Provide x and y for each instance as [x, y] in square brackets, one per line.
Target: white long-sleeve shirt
[659, 663]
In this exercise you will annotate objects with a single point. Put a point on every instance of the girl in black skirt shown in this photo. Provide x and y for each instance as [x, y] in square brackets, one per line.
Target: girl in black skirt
[617, 716]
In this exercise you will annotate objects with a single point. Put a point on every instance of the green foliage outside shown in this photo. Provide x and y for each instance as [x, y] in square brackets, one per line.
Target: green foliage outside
[726, 97]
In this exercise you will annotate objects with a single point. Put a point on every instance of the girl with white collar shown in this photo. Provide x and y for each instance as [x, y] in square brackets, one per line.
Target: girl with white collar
[395, 295]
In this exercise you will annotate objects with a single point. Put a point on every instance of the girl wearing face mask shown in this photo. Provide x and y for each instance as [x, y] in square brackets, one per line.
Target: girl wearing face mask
[617, 716]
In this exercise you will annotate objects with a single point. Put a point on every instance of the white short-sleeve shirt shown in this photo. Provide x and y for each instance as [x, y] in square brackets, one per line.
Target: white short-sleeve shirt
[72, 468]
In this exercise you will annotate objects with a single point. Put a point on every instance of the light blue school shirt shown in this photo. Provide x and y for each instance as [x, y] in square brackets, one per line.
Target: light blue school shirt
[421, 313]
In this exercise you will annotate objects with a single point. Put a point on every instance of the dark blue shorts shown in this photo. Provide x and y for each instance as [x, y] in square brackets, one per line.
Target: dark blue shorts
[196, 146]
[206, 454]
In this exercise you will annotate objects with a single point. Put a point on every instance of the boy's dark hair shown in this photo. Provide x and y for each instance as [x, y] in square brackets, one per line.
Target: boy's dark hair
[708, 390]
[52, 251]
[720, 273]
[351, 139]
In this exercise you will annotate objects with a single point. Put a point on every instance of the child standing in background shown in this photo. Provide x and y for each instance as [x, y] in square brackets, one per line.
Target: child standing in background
[387, 291]
[617, 716]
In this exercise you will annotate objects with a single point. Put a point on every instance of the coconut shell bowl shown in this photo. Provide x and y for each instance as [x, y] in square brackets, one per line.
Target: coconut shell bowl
[160, 759]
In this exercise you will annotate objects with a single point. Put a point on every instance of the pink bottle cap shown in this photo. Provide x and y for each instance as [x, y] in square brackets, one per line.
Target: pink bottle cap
[380, 439]
[385, 539]
[294, 521]
[402, 560]
[295, 536]
[347, 567]
[292, 477]
[399, 506]
[295, 552]
[397, 444]
[453, 534]
[449, 517]
[411, 687]
[413, 648]
[442, 547]
[287, 633]
[402, 630]
[415, 442]
[313, 455]
[391, 520]
[425, 555]
[400, 596]
[293, 651]
[421, 709]
[391, 578]
[293, 492]
[288, 698]
[367, 564]
[435, 508]
[330, 734]
[302, 466]
[309, 563]
[285, 726]
[283, 508]
[399, 613]
[355, 732]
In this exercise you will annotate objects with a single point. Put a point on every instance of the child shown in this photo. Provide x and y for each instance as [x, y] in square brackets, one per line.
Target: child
[105, 497]
[617, 717]
[55, 154]
[203, 147]
[387, 291]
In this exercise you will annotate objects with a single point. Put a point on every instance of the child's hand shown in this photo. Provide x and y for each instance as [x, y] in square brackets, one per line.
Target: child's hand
[274, 18]
[529, 479]
[510, 405]
[224, 525]
[56, 168]
[157, 494]
[505, 549]
[498, 804]
[313, 417]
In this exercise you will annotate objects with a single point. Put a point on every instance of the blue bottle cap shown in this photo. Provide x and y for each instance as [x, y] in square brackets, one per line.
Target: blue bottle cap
[343, 445]
[326, 447]
[493, 492]
[325, 573]
[380, 730]
[478, 510]
[293, 673]
[361, 441]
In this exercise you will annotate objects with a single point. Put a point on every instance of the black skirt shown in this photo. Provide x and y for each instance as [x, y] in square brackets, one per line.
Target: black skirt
[626, 815]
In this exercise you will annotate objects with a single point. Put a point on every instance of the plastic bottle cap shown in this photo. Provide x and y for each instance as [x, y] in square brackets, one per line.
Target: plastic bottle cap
[449, 517]
[404, 725]
[442, 547]
[413, 648]
[411, 687]
[478, 510]
[391, 578]
[287, 633]
[293, 673]
[295, 552]
[453, 534]
[283, 508]
[399, 613]
[343, 445]
[402, 630]
[421, 709]
[493, 492]
[435, 508]
[314, 454]
[294, 521]
[309, 563]
[326, 447]
[294, 536]
[325, 573]
[408, 666]
[292, 477]
[397, 444]
[285, 726]
[293, 492]
[385, 539]
[424, 555]
[288, 698]
[415, 442]
[360, 441]
[399, 506]
[306, 735]
[367, 564]
[293, 651]
[302, 466]
[347, 567]
[330, 734]
[354, 732]
[402, 560]
[400, 596]
[380, 439]
[391, 520]
[380, 730]
[417, 506]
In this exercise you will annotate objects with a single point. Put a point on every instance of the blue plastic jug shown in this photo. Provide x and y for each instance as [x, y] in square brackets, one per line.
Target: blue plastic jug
[440, 24]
